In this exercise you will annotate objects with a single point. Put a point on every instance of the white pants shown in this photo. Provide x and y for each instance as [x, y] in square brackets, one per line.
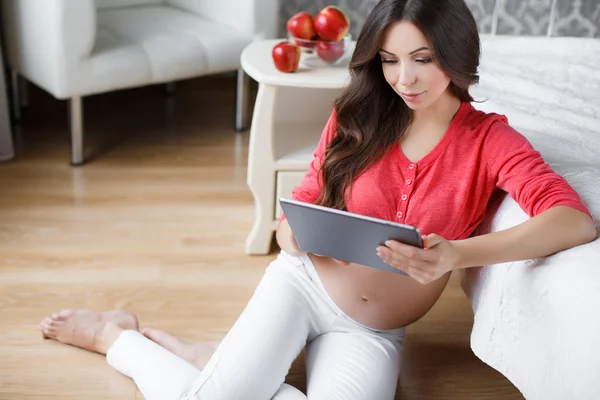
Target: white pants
[289, 310]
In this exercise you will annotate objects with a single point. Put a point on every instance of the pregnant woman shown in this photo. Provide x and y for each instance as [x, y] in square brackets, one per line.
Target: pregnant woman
[403, 143]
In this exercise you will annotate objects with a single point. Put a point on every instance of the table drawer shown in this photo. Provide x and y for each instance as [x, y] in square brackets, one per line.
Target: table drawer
[286, 182]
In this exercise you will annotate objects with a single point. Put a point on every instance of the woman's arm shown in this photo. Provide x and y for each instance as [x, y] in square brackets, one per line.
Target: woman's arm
[554, 230]
[286, 239]
[559, 218]
[549, 232]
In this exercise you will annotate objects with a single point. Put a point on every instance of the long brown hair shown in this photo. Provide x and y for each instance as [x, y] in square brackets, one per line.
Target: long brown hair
[371, 117]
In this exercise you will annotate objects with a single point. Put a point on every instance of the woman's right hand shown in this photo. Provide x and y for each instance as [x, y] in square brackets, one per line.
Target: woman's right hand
[294, 247]
[286, 239]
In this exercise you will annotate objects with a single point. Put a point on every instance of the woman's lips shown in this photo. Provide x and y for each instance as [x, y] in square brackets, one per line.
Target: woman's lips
[411, 96]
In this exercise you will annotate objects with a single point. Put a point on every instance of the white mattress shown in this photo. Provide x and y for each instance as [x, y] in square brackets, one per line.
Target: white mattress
[538, 322]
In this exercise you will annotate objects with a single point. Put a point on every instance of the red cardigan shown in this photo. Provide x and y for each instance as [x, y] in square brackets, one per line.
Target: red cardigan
[447, 191]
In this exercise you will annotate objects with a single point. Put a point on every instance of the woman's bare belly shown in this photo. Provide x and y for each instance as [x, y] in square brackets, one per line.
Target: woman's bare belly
[375, 298]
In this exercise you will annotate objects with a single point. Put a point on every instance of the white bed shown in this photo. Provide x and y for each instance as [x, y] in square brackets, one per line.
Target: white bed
[538, 322]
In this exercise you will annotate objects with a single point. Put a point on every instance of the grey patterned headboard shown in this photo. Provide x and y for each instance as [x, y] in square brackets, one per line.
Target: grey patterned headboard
[503, 17]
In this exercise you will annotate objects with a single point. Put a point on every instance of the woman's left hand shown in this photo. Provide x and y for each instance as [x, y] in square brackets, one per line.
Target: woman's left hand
[437, 257]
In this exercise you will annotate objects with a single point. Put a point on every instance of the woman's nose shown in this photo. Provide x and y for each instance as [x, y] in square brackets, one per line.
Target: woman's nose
[406, 77]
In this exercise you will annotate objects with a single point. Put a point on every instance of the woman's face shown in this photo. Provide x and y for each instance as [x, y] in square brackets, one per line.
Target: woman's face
[409, 68]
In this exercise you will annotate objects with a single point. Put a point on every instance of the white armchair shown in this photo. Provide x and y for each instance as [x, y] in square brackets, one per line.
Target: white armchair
[76, 48]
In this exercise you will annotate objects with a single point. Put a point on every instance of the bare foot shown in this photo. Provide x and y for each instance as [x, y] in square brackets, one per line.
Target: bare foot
[91, 330]
[194, 353]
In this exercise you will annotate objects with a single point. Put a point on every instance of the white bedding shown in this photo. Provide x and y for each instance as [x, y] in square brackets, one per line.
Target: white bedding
[538, 322]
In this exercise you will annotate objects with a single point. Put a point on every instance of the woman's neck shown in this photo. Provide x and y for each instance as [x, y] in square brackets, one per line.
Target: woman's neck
[439, 113]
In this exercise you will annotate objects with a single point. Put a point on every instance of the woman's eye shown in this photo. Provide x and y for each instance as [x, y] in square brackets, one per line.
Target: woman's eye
[423, 60]
[388, 61]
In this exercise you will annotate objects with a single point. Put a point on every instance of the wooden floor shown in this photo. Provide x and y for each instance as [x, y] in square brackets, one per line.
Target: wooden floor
[155, 223]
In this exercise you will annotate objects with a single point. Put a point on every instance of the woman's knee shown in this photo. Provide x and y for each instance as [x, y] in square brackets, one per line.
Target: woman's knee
[352, 367]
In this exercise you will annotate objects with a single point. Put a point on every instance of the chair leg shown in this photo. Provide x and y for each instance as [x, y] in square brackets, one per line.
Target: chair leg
[23, 92]
[76, 117]
[242, 113]
[15, 91]
[7, 146]
[170, 88]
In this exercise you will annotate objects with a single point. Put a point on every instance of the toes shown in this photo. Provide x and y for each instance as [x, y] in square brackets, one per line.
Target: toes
[49, 331]
[42, 328]
[63, 315]
[47, 328]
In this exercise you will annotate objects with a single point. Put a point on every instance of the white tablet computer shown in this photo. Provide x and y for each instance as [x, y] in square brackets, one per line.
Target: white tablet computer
[343, 235]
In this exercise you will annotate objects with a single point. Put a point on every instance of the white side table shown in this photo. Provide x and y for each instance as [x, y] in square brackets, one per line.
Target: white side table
[290, 113]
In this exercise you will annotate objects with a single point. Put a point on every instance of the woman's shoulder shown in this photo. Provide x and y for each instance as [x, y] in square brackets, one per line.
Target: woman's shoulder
[483, 121]
[492, 129]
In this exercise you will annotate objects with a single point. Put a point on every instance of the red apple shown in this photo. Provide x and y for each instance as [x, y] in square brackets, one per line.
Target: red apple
[332, 24]
[301, 25]
[286, 56]
[330, 51]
